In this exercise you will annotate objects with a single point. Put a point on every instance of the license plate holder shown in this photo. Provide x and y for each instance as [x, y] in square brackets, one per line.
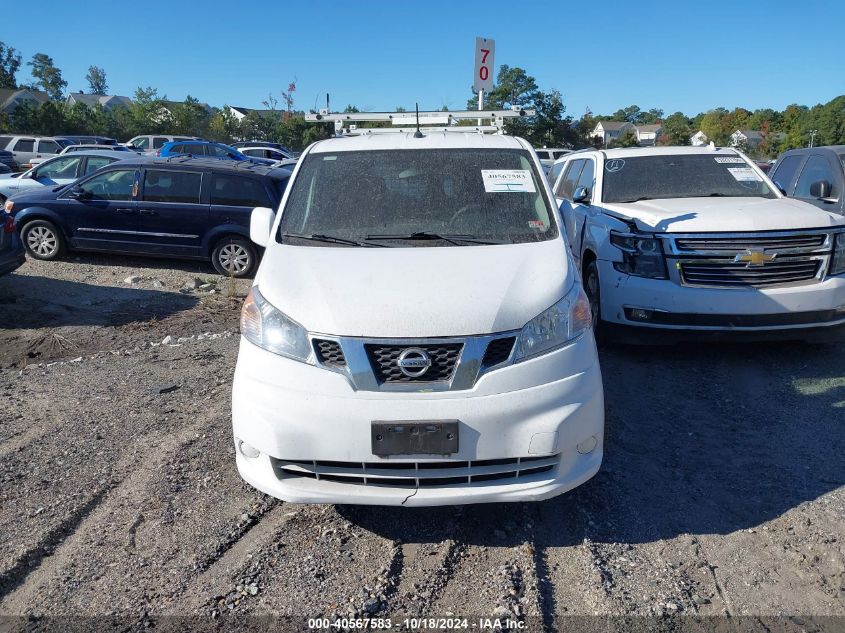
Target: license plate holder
[420, 437]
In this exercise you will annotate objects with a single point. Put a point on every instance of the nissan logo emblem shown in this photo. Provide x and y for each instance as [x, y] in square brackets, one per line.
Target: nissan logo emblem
[413, 362]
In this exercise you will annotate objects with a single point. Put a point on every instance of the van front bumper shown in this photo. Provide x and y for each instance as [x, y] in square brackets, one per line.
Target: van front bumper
[313, 432]
[660, 304]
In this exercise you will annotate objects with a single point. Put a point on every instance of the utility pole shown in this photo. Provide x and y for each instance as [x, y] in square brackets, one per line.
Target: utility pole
[813, 136]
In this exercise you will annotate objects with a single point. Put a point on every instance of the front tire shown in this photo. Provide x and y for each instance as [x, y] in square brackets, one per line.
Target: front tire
[43, 240]
[592, 287]
[234, 257]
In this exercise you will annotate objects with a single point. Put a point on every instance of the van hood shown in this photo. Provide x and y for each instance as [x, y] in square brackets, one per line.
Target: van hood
[416, 292]
[699, 215]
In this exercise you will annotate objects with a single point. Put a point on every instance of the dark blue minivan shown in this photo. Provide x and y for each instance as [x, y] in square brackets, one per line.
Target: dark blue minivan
[184, 207]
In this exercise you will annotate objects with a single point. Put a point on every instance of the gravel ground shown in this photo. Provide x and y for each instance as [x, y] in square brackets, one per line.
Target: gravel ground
[722, 492]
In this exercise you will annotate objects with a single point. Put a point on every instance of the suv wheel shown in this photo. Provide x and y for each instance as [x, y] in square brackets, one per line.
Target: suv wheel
[42, 239]
[593, 290]
[234, 257]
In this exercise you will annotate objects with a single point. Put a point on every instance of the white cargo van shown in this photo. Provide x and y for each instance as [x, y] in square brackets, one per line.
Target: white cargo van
[417, 333]
[678, 239]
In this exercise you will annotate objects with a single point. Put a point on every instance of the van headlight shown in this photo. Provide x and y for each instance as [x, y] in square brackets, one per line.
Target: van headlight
[269, 328]
[642, 255]
[837, 262]
[566, 320]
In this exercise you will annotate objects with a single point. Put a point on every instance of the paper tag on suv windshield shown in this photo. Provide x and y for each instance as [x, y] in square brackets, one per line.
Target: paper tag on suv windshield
[744, 174]
[729, 159]
[501, 180]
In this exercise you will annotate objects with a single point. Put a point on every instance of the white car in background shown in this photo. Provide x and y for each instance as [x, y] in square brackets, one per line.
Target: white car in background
[548, 155]
[678, 239]
[273, 153]
[416, 333]
[86, 148]
[59, 170]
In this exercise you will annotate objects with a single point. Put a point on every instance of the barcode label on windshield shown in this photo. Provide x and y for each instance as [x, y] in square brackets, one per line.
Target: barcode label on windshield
[729, 159]
[505, 180]
[744, 174]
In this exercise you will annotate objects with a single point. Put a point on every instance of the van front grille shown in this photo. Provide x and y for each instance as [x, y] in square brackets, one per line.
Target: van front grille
[385, 362]
[498, 351]
[422, 474]
[329, 353]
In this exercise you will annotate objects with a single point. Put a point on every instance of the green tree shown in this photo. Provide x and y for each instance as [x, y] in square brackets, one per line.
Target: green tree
[96, 79]
[10, 61]
[676, 130]
[550, 126]
[716, 124]
[146, 113]
[189, 118]
[627, 139]
[49, 78]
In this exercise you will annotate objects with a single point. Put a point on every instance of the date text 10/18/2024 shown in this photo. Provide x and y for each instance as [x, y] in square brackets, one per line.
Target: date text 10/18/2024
[417, 624]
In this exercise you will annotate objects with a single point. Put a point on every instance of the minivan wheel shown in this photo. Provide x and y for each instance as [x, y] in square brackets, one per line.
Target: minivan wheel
[593, 290]
[42, 239]
[234, 257]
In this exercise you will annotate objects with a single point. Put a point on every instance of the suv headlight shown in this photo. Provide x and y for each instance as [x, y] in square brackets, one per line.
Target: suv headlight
[642, 255]
[567, 319]
[269, 328]
[837, 262]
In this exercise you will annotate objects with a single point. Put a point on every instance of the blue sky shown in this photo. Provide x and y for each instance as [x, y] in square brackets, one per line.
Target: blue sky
[677, 55]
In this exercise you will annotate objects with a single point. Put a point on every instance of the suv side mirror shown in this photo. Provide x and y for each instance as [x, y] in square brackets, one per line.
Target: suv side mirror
[261, 224]
[582, 195]
[820, 189]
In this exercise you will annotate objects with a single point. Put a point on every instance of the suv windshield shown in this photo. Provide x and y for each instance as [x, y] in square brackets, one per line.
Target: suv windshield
[432, 197]
[681, 176]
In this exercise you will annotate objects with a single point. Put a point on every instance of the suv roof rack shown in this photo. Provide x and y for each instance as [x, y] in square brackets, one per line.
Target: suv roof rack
[429, 120]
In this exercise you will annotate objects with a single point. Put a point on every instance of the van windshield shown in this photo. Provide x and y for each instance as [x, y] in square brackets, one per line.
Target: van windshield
[432, 197]
[636, 178]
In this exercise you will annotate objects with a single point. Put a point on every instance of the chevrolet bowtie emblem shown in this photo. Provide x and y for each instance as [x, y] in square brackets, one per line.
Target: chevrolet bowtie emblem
[754, 258]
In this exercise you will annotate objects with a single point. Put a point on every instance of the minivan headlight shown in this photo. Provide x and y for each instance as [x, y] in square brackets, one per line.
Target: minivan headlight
[267, 327]
[837, 262]
[642, 255]
[567, 319]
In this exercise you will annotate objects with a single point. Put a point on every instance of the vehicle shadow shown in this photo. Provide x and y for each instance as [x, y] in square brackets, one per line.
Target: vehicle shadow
[191, 266]
[699, 440]
[29, 302]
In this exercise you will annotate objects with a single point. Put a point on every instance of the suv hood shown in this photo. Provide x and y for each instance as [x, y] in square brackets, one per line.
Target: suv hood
[700, 215]
[416, 292]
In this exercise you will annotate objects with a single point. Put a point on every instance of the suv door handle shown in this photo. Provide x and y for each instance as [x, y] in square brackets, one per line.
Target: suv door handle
[127, 211]
[148, 212]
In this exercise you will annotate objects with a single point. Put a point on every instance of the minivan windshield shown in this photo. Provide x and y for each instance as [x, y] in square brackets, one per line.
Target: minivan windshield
[429, 197]
[636, 178]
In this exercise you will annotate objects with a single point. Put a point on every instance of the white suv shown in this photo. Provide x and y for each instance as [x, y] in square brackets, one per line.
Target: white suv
[417, 333]
[679, 238]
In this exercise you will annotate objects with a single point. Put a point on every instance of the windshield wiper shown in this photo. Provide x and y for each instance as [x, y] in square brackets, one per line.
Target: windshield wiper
[320, 237]
[640, 199]
[428, 235]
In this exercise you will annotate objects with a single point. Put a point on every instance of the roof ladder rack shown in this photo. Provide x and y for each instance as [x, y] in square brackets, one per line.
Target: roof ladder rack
[431, 120]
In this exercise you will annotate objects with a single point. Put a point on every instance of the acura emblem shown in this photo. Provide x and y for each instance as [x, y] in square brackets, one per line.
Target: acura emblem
[413, 362]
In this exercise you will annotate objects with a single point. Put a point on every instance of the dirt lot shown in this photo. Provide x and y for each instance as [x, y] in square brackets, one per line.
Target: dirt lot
[722, 492]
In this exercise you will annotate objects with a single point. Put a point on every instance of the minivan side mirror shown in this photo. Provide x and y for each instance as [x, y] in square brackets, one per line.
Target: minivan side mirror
[261, 224]
[820, 189]
[582, 195]
[77, 193]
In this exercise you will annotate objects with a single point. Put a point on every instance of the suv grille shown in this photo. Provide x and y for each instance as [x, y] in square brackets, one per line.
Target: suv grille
[384, 360]
[329, 353]
[422, 474]
[498, 351]
[721, 273]
[740, 244]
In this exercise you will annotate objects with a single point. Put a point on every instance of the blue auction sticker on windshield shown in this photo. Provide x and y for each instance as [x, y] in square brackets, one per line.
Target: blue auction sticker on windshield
[506, 180]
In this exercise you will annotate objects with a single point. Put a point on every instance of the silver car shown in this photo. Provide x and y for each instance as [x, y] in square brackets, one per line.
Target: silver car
[25, 147]
[60, 170]
[150, 143]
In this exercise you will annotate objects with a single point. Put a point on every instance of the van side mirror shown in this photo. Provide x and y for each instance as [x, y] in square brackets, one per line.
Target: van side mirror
[261, 224]
[581, 195]
[820, 189]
